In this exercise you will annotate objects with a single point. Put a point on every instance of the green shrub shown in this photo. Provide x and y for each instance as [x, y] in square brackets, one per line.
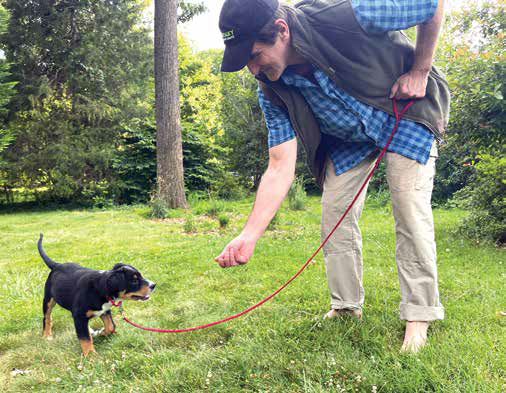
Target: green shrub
[379, 198]
[159, 208]
[189, 225]
[229, 187]
[223, 220]
[98, 194]
[215, 206]
[297, 195]
[485, 197]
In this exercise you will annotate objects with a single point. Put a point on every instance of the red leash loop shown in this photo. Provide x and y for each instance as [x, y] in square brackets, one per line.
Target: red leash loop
[398, 117]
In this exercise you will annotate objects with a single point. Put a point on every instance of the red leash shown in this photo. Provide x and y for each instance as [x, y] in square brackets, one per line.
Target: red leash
[398, 117]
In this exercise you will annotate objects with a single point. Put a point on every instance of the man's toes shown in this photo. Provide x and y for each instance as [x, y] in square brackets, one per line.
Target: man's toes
[414, 344]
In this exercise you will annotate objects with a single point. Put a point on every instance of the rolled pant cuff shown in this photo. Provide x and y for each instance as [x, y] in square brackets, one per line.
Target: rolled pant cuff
[345, 306]
[411, 312]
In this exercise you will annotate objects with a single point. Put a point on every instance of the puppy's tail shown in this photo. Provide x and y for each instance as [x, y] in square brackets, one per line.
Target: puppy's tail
[49, 262]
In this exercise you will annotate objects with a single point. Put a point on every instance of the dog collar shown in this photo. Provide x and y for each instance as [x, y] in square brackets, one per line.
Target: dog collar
[111, 300]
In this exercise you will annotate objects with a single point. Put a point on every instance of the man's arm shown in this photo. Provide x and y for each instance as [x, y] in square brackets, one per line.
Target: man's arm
[413, 84]
[273, 188]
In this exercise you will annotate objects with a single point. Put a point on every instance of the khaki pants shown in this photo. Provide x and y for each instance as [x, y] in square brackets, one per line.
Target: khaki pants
[410, 185]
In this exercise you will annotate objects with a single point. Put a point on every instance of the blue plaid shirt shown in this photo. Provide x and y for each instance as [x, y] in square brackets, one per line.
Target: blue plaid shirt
[357, 129]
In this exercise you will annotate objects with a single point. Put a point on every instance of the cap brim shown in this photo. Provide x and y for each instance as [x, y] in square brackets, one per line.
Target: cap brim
[236, 56]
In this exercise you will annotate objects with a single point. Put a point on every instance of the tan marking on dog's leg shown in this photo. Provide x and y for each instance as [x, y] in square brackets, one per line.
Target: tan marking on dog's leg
[87, 346]
[108, 324]
[48, 323]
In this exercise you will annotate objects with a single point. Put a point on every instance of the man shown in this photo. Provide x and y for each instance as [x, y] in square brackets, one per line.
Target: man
[327, 72]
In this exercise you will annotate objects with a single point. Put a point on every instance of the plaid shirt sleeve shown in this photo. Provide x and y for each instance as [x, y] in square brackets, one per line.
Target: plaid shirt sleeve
[277, 121]
[378, 16]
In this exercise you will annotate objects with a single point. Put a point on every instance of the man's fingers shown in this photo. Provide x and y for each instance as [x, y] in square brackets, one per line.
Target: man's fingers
[232, 256]
[229, 257]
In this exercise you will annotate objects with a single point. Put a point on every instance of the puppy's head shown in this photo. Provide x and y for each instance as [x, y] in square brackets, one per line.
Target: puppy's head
[126, 282]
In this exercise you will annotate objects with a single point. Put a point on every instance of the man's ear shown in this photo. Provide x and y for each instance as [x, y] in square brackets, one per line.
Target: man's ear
[284, 30]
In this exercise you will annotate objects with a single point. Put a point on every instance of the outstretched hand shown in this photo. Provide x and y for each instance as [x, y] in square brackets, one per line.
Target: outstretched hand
[237, 252]
[411, 85]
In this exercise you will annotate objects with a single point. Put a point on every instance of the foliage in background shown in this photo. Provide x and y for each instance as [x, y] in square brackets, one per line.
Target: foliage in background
[6, 90]
[472, 53]
[83, 112]
[135, 161]
[83, 70]
[476, 71]
[200, 97]
[297, 195]
[245, 131]
[187, 10]
[485, 197]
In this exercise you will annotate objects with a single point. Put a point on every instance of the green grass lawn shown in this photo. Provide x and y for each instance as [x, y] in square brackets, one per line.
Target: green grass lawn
[284, 346]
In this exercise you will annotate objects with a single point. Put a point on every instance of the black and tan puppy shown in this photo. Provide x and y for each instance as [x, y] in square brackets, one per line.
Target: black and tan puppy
[89, 293]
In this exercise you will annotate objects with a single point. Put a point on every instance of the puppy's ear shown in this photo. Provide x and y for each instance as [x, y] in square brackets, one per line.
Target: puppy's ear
[118, 266]
[116, 282]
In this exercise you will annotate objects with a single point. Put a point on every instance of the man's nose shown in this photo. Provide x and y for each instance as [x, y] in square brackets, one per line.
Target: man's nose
[253, 68]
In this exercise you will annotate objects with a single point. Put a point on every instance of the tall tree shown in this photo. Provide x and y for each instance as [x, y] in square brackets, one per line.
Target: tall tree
[169, 157]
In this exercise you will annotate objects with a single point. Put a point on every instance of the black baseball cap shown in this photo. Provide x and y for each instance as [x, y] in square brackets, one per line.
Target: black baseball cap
[240, 23]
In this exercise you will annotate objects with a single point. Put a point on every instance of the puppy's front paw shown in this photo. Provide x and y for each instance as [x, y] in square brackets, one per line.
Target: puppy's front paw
[99, 332]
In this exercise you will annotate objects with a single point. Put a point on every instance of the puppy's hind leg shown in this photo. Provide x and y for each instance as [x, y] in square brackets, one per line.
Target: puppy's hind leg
[47, 306]
[83, 334]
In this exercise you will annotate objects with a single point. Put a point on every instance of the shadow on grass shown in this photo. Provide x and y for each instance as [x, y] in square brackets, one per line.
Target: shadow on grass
[38, 207]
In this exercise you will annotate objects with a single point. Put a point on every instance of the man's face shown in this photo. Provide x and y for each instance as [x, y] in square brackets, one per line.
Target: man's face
[269, 59]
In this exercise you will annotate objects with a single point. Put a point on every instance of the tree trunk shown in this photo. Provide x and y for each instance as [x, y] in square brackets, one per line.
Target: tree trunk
[169, 149]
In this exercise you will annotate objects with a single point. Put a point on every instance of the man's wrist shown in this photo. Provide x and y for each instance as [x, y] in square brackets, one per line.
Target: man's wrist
[421, 70]
[250, 236]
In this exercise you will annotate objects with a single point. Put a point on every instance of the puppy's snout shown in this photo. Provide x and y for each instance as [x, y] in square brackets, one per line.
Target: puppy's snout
[152, 286]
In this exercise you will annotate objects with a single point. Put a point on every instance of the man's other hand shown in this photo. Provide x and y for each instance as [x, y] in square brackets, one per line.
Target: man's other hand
[411, 85]
[237, 252]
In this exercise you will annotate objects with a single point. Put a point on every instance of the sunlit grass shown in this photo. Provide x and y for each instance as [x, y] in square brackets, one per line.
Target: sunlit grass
[284, 346]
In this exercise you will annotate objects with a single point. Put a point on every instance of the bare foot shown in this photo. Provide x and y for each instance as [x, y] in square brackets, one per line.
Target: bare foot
[415, 337]
[342, 312]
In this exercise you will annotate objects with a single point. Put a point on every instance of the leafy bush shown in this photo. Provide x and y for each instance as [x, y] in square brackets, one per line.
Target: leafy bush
[189, 225]
[215, 206]
[297, 195]
[472, 53]
[98, 194]
[485, 196]
[229, 187]
[379, 198]
[159, 208]
[223, 219]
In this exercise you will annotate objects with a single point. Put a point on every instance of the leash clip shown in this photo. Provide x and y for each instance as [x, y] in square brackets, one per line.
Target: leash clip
[121, 310]
[119, 305]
